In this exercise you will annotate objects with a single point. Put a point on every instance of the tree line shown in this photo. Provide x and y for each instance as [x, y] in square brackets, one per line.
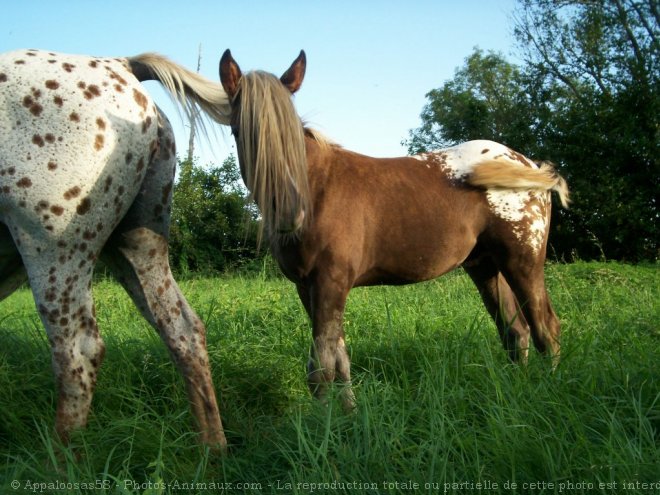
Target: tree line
[585, 95]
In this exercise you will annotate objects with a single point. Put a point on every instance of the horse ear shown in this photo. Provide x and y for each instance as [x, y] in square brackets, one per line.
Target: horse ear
[295, 74]
[230, 74]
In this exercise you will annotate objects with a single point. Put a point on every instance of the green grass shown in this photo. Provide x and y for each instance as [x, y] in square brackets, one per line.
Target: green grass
[440, 409]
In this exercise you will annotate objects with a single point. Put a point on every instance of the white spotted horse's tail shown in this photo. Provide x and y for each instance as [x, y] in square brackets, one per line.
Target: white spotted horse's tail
[504, 174]
[189, 89]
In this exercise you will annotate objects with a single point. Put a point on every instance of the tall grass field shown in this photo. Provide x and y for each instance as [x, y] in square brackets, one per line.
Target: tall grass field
[440, 408]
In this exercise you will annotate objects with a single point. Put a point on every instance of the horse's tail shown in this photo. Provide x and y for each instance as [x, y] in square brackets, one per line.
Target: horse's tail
[497, 174]
[190, 90]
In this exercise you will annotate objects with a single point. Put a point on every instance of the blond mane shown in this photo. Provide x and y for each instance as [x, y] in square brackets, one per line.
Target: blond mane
[271, 147]
[322, 141]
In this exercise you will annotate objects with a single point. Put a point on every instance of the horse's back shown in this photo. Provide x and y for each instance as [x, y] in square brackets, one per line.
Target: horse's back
[408, 219]
[76, 135]
[395, 220]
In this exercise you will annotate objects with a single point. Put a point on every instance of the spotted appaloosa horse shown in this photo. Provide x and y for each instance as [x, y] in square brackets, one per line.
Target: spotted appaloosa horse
[336, 219]
[87, 164]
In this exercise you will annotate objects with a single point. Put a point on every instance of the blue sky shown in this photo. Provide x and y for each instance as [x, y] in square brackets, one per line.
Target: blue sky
[369, 63]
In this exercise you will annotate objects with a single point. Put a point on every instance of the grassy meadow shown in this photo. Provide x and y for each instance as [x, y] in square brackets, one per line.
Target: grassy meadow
[440, 409]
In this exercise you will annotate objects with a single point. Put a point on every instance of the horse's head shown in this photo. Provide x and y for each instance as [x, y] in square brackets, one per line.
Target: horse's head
[270, 141]
[231, 78]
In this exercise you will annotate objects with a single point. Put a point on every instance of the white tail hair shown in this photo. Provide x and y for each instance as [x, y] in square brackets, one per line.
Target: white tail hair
[192, 91]
[501, 174]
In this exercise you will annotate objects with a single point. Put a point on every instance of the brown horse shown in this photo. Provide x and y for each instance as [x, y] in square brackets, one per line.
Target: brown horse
[336, 219]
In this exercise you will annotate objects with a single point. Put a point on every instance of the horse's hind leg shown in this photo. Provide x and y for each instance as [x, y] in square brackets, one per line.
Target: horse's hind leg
[137, 254]
[502, 306]
[139, 260]
[526, 277]
[61, 285]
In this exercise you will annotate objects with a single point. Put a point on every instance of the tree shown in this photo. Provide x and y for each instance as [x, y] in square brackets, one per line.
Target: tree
[587, 98]
[213, 225]
[599, 61]
[482, 101]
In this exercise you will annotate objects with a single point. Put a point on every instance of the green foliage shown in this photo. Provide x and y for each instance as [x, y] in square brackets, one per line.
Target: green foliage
[438, 401]
[482, 101]
[588, 98]
[213, 224]
[600, 62]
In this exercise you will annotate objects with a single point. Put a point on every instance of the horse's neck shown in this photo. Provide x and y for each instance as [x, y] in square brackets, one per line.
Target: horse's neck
[319, 159]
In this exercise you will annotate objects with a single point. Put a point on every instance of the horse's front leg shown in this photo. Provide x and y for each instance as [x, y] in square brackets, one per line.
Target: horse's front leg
[328, 356]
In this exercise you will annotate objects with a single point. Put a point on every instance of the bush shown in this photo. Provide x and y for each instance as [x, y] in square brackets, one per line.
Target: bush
[213, 226]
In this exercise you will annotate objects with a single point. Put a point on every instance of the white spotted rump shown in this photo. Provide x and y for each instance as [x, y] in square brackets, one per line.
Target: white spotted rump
[77, 134]
[525, 205]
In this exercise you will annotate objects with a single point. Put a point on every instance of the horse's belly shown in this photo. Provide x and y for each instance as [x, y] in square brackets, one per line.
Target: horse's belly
[415, 261]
